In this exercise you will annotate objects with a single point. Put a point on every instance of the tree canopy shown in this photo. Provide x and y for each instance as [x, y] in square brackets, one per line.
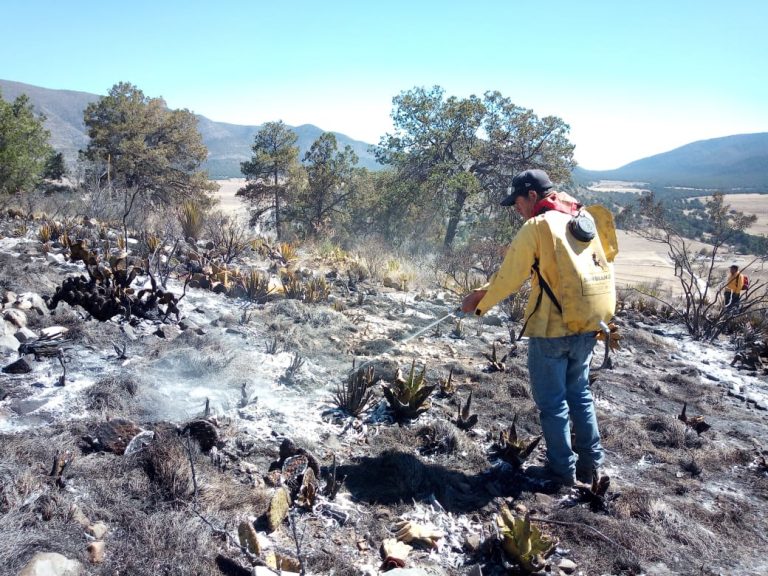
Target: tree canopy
[329, 182]
[463, 152]
[142, 147]
[274, 154]
[24, 149]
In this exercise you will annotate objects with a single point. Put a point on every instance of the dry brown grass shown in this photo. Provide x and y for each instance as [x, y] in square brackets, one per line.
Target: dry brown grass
[145, 499]
[113, 394]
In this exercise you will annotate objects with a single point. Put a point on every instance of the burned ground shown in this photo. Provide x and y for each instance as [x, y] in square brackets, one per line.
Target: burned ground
[680, 502]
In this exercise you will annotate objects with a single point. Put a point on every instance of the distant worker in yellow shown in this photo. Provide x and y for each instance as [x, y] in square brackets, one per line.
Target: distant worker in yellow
[733, 287]
[567, 251]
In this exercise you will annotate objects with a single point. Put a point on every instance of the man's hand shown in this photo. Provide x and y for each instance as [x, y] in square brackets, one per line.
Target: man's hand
[412, 532]
[471, 301]
[394, 553]
[613, 337]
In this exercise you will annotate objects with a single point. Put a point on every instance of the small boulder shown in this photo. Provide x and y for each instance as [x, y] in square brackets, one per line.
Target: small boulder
[15, 317]
[21, 366]
[51, 564]
[95, 552]
[52, 332]
[25, 335]
[8, 343]
[31, 301]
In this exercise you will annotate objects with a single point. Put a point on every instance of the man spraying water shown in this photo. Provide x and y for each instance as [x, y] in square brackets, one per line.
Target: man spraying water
[567, 251]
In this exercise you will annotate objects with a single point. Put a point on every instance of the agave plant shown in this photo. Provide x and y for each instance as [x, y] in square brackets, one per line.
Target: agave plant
[465, 419]
[409, 397]
[596, 494]
[496, 364]
[523, 542]
[447, 385]
[511, 449]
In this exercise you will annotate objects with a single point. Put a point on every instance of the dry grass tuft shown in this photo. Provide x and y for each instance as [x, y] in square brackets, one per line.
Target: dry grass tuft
[112, 394]
[166, 463]
[668, 432]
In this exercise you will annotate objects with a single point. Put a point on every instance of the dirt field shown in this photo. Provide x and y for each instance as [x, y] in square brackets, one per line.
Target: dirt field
[227, 190]
[756, 204]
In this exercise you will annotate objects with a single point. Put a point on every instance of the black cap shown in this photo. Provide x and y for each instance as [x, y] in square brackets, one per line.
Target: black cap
[536, 180]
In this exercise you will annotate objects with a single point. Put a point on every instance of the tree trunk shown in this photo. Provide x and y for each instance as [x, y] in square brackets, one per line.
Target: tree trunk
[455, 217]
[277, 207]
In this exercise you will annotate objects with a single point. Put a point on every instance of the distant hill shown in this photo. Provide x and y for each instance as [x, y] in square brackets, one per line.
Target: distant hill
[730, 163]
[228, 144]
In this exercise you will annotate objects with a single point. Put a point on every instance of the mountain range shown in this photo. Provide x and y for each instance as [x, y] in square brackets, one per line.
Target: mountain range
[730, 163]
[738, 162]
[228, 144]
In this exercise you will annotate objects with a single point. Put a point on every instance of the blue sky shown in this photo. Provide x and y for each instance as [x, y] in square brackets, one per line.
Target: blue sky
[631, 79]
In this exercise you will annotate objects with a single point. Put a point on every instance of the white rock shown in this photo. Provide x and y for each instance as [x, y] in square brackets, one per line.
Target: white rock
[25, 335]
[54, 258]
[34, 300]
[53, 332]
[51, 564]
[8, 344]
[15, 317]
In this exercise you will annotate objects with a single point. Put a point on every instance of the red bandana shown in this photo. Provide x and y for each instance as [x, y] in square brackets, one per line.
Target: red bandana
[558, 201]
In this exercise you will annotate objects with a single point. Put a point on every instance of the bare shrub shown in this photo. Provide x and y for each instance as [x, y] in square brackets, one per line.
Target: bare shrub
[459, 269]
[230, 237]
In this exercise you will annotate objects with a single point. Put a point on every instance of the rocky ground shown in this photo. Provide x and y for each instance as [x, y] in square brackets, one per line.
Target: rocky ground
[157, 446]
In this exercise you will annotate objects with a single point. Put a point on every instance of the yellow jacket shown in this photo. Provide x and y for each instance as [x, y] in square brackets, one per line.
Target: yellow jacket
[735, 283]
[586, 300]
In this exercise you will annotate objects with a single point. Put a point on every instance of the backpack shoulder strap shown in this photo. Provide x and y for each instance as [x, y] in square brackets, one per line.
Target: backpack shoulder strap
[544, 288]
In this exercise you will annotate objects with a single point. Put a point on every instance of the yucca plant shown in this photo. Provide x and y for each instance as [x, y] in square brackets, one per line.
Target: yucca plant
[256, 285]
[355, 396]
[44, 234]
[287, 252]
[316, 290]
[292, 285]
[511, 449]
[409, 397]
[523, 542]
[191, 220]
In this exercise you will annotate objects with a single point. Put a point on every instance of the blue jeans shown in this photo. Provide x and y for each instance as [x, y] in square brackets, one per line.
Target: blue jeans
[559, 370]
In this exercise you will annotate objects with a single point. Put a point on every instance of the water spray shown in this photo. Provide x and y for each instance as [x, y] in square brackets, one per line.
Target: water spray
[457, 313]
